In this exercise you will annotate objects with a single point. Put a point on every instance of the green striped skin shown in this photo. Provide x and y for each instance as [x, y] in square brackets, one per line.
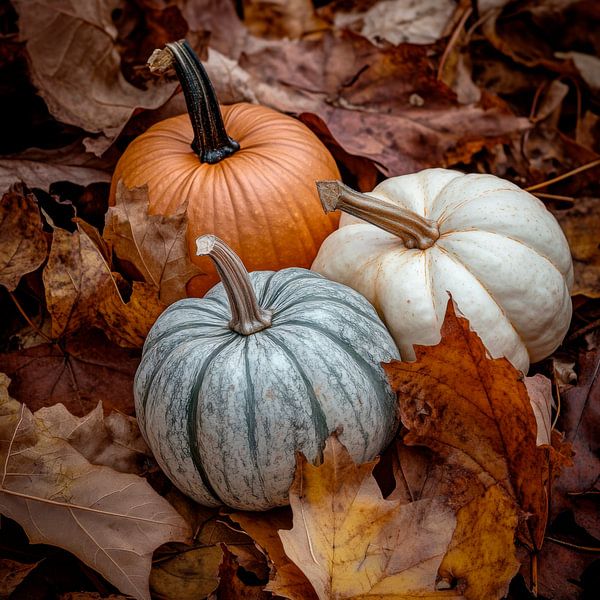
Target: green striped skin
[225, 413]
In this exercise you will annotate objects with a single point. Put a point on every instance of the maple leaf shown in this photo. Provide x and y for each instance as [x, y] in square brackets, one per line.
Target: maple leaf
[154, 244]
[351, 543]
[24, 246]
[112, 521]
[475, 412]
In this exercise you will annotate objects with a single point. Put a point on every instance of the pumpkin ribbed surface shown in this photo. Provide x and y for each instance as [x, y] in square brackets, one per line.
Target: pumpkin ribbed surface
[500, 254]
[261, 200]
[225, 413]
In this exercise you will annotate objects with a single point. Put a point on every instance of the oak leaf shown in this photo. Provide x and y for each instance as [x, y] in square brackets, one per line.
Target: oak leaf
[23, 246]
[155, 245]
[75, 64]
[112, 521]
[351, 543]
[475, 412]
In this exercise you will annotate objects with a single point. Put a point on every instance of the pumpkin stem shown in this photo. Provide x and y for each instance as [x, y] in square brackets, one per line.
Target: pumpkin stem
[414, 230]
[211, 142]
[247, 316]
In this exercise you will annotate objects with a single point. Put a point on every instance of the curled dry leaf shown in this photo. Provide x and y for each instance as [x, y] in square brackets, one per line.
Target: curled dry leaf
[38, 174]
[189, 574]
[12, 573]
[82, 291]
[75, 64]
[351, 543]
[539, 389]
[112, 521]
[475, 412]
[23, 244]
[114, 441]
[79, 371]
[154, 244]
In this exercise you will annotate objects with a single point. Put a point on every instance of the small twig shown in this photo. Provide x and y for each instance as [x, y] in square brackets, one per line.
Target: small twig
[574, 546]
[554, 197]
[29, 321]
[453, 40]
[586, 493]
[580, 169]
[534, 575]
[558, 402]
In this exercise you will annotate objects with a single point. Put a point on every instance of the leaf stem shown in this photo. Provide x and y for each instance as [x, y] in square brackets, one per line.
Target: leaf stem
[247, 316]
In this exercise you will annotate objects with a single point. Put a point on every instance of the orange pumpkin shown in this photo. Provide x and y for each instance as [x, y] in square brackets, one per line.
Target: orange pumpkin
[259, 196]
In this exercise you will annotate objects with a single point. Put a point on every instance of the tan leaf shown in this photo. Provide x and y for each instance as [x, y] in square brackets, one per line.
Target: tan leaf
[23, 245]
[12, 573]
[154, 244]
[351, 543]
[111, 521]
[74, 278]
[42, 175]
[539, 389]
[280, 18]
[482, 555]
[475, 412]
[114, 441]
[81, 290]
[231, 587]
[75, 65]
[187, 575]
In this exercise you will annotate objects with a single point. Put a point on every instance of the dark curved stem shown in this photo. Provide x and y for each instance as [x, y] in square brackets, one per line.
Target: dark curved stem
[211, 142]
[247, 316]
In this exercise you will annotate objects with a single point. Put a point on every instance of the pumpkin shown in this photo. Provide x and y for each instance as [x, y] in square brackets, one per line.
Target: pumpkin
[255, 189]
[493, 246]
[232, 385]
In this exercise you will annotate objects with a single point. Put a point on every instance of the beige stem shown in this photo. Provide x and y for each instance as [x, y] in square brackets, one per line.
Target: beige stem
[247, 316]
[413, 229]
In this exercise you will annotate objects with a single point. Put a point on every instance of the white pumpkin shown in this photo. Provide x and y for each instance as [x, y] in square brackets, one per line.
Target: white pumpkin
[232, 385]
[493, 246]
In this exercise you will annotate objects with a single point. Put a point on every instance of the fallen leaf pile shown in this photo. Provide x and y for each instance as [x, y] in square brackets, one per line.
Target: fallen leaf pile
[491, 486]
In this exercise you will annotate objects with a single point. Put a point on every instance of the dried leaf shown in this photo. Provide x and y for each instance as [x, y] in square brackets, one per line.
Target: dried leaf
[581, 225]
[351, 543]
[280, 18]
[475, 412]
[231, 587]
[23, 246]
[75, 65]
[42, 175]
[12, 573]
[114, 441]
[188, 575]
[481, 558]
[399, 21]
[154, 244]
[84, 369]
[81, 290]
[111, 521]
[539, 389]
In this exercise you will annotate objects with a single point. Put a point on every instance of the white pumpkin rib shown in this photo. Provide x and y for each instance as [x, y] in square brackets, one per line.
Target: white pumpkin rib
[508, 322]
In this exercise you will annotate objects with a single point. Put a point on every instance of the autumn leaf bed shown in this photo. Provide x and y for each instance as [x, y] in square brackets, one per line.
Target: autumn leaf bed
[490, 487]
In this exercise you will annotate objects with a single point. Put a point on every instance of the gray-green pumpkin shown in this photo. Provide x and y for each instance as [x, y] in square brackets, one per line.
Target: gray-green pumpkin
[232, 385]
